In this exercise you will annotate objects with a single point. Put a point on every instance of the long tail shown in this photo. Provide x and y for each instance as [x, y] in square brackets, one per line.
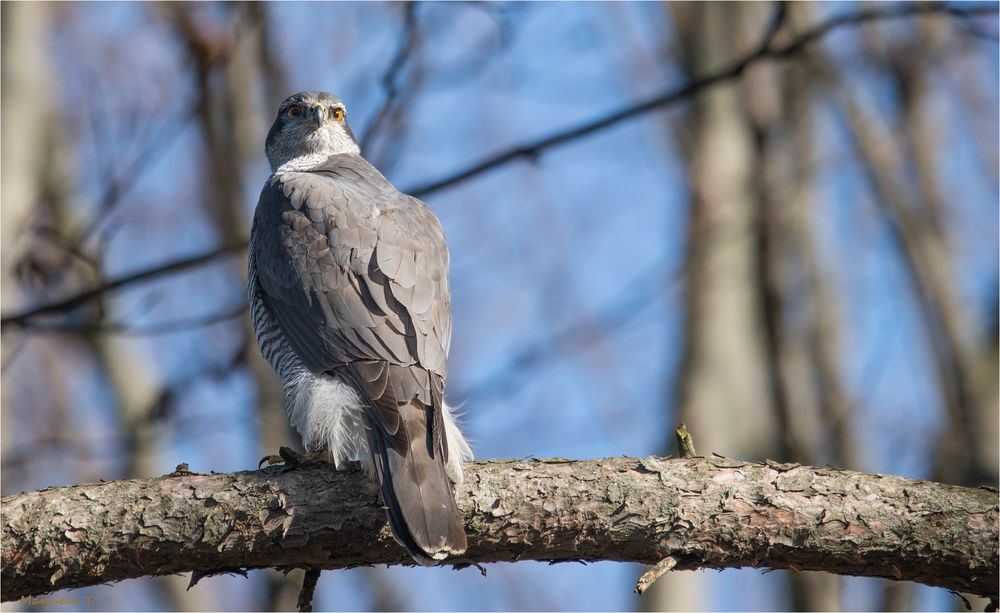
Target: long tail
[416, 489]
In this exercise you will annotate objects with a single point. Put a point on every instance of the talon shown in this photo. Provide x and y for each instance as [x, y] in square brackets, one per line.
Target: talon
[271, 460]
[286, 455]
[290, 458]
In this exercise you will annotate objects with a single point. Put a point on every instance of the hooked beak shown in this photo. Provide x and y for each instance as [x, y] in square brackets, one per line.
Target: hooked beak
[318, 115]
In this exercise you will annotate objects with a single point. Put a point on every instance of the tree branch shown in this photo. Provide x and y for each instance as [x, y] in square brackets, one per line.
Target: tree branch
[703, 512]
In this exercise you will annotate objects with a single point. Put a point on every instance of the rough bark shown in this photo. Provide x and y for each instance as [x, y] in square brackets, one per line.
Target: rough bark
[704, 512]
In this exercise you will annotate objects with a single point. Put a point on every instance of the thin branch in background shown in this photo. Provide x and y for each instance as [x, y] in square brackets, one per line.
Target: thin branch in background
[56, 239]
[390, 78]
[967, 24]
[119, 184]
[629, 303]
[190, 428]
[23, 318]
[151, 150]
[173, 326]
[534, 149]
[778, 19]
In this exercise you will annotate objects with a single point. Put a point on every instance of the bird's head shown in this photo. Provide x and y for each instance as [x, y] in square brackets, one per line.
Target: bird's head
[310, 124]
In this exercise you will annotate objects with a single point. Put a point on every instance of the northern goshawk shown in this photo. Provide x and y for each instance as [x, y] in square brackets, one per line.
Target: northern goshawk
[349, 297]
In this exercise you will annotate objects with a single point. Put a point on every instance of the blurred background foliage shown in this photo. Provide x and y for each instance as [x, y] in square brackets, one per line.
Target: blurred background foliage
[796, 255]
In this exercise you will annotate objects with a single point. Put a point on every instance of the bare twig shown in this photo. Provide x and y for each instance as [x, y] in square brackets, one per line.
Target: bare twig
[305, 601]
[649, 577]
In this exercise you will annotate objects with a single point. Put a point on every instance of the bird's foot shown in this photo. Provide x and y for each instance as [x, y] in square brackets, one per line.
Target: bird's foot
[291, 458]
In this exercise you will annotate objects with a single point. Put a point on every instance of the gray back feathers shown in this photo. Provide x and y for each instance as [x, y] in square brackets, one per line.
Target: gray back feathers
[353, 270]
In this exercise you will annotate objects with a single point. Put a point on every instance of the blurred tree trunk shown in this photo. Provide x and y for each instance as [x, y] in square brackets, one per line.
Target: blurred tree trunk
[24, 95]
[723, 391]
[725, 363]
[801, 332]
[903, 179]
[29, 137]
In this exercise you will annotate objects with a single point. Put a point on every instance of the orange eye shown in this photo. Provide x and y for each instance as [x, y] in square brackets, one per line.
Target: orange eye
[337, 113]
[294, 110]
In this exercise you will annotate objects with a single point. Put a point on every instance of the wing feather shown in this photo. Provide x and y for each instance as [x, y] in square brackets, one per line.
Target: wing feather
[352, 269]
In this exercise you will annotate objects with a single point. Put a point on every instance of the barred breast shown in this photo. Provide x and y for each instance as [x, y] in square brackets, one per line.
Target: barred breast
[270, 339]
